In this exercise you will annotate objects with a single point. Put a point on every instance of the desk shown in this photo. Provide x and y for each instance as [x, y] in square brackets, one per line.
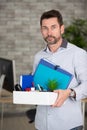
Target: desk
[5, 97]
[84, 101]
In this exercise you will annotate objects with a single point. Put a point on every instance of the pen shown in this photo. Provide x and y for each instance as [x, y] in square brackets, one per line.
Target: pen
[39, 87]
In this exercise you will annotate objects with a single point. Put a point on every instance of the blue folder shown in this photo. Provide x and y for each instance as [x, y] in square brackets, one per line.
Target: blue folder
[26, 81]
[47, 71]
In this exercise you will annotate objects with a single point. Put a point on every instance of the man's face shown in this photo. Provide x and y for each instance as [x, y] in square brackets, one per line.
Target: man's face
[51, 30]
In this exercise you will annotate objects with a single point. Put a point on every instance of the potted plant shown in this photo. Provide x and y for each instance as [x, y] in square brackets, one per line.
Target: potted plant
[52, 84]
[76, 33]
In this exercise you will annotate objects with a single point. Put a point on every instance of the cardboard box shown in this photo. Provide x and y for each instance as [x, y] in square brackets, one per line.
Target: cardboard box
[34, 97]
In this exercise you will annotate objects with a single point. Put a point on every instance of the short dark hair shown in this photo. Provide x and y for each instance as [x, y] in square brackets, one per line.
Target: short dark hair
[51, 14]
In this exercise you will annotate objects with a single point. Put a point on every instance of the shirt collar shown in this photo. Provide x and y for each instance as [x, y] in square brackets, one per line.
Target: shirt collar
[64, 43]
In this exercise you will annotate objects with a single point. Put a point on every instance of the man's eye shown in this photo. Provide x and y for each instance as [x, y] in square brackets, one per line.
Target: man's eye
[44, 28]
[53, 27]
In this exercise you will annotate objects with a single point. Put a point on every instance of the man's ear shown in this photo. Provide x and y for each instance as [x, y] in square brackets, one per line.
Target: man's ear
[62, 29]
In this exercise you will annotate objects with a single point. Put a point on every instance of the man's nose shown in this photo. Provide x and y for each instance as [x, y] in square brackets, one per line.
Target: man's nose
[49, 32]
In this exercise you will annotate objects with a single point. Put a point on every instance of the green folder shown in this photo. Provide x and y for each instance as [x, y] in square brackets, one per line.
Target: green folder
[48, 73]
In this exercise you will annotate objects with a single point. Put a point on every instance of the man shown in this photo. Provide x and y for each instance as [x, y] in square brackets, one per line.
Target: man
[65, 113]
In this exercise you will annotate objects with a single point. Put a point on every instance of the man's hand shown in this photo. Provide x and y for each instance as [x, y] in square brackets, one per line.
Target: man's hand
[62, 96]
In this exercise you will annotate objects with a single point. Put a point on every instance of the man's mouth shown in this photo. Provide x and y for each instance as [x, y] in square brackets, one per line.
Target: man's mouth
[50, 38]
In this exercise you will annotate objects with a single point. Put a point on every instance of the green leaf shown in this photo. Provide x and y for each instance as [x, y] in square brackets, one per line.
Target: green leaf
[52, 84]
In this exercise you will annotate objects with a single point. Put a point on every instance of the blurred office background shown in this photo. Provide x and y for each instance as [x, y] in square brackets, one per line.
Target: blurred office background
[20, 36]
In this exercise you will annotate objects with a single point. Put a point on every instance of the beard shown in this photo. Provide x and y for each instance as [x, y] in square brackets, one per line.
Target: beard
[51, 40]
